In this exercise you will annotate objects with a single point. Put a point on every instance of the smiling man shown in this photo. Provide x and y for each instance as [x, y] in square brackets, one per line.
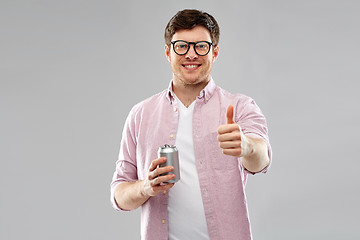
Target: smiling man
[221, 138]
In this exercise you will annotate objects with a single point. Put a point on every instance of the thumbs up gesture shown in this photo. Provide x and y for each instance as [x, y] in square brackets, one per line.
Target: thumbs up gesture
[231, 139]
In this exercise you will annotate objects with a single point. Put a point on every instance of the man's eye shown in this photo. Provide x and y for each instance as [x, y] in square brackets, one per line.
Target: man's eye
[182, 46]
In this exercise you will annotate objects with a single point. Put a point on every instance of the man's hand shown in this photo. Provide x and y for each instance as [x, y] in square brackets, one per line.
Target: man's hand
[231, 139]
[131, 195]
[154, 183]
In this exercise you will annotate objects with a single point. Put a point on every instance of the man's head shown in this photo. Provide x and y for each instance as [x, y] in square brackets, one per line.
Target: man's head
[190, 18]
[191, 47]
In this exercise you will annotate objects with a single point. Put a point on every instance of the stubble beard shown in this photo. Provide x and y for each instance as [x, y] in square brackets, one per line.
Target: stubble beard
[201, 80]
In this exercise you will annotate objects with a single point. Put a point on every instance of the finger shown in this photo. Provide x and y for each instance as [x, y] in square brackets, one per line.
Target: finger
[230, 114]
[227, 128]
[162, 179]
[154, 164]
[230, 145]
[229, 136]
[162, 170]
[232, 152]
[159, 171]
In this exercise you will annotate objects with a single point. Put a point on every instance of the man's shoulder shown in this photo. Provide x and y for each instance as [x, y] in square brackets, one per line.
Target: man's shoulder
[236, 97]
[150, 102]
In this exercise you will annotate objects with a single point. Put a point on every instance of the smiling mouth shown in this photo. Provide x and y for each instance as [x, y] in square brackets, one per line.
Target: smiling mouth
[191, 66]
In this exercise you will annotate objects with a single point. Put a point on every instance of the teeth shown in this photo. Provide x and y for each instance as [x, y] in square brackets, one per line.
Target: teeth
[191, 66]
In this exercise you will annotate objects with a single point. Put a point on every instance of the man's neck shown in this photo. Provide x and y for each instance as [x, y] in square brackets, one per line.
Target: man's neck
[187, 93]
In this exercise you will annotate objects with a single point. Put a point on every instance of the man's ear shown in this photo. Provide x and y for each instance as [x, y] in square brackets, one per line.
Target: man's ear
[167, 52]
[216, 52]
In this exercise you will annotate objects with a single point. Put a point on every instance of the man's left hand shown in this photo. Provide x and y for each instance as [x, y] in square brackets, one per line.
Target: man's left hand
[231, 139]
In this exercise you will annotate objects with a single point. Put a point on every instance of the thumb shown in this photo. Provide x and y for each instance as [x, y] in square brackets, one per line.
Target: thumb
[230, 115]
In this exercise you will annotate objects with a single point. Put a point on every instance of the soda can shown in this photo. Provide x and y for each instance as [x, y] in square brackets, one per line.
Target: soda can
[172, 159]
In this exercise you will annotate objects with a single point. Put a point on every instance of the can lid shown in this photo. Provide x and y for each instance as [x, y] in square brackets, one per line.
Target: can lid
[168, 146]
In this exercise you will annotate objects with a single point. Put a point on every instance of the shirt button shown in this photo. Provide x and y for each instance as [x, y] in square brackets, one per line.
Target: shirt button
[163, 221]
[175, 109]
[171, 135]
[207, 99]
[164, 191]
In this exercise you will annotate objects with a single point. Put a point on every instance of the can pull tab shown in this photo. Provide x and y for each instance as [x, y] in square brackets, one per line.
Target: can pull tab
[166, 145]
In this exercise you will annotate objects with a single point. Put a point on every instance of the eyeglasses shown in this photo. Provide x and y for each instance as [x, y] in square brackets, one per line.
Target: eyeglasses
[182, 47]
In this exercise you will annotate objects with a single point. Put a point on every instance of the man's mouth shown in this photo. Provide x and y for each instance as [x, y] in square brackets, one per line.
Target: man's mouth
[191, 66]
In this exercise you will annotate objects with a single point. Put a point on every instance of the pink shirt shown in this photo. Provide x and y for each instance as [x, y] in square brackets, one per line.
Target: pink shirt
[153, 123]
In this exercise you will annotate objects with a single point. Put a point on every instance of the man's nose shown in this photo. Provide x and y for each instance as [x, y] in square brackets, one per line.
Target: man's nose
[191, 54]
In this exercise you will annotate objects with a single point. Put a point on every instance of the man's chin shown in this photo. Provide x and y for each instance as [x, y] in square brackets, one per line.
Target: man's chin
[195, 81]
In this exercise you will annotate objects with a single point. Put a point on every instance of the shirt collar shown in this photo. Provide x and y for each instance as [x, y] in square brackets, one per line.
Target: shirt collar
[205, 94]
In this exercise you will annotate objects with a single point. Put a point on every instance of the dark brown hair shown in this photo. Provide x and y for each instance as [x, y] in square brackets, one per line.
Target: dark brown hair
[190, 18]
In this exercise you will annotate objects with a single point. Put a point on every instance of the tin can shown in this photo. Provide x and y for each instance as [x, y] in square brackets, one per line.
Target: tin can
[172, 159]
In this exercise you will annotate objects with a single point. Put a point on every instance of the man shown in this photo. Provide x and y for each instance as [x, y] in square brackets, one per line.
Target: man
[221, 138]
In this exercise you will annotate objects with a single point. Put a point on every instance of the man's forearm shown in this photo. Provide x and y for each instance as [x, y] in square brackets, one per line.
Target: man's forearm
[258, 157]
[129, 195]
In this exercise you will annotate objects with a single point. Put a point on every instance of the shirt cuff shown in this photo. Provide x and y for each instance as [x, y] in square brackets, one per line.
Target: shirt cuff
[112, 197]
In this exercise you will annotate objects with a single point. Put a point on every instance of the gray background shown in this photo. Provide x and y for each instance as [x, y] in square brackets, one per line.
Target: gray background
[71, 70]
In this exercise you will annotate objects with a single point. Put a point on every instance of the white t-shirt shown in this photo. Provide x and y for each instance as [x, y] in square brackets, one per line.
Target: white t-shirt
[186, 211]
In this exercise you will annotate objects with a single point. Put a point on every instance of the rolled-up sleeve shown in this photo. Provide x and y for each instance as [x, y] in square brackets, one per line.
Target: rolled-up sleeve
[253, 124]
[126, 170]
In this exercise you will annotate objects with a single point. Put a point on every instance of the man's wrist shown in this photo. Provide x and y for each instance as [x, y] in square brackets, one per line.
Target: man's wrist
[247, 146]
[142, 191]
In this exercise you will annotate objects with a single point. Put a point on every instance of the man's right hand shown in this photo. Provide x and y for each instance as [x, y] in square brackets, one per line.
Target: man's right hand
[131, 195]
[154, 183]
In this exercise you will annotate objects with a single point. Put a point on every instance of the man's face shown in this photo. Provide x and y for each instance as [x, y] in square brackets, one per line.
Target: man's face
[191, 68]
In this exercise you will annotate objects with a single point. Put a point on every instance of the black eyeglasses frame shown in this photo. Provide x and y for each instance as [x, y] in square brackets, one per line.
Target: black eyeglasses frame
[189, 43]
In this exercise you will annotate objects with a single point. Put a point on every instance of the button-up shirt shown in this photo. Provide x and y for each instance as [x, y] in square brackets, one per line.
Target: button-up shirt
[222, 178]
